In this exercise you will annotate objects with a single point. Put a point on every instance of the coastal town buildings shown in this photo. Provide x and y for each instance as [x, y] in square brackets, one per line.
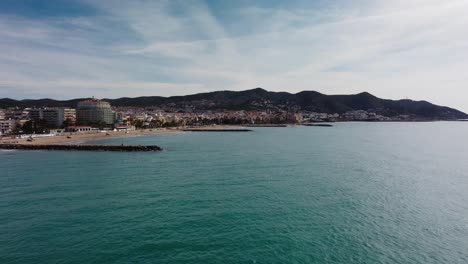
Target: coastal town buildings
[94, 112]
[97, 113]
[361, 115]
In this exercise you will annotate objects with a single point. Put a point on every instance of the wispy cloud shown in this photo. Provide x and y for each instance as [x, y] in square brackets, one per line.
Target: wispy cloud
[395, 49]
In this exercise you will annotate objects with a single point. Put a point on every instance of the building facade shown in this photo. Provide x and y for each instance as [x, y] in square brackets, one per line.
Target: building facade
[53, 117]
[69, 115]
[95, 112]
[7, 126]
[78, 129]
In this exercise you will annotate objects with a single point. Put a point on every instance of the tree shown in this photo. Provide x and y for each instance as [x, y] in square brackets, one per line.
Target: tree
[67, 122]
[138, 123]
[28, 127]
[35, 127]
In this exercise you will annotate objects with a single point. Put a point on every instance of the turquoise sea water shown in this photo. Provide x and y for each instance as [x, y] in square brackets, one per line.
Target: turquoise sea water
[354, 193]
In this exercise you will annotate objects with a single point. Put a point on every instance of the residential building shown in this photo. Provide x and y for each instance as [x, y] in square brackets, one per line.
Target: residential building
[7, 126]
[53, 117]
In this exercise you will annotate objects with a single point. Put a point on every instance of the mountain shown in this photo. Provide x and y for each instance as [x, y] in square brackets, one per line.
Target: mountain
[260, 99]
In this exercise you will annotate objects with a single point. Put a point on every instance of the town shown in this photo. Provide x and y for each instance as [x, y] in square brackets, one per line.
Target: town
[93, 114]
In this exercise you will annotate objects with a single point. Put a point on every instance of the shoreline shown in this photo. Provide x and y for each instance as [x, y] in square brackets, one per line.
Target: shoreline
[82, 138]
[78, 138]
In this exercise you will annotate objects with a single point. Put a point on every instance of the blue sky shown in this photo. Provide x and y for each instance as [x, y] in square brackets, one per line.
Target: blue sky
[394, 49]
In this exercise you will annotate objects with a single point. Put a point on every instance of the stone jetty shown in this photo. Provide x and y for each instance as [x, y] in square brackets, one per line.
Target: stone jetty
[318, 125]
[267, 125]
[83, 147]
[217, 130]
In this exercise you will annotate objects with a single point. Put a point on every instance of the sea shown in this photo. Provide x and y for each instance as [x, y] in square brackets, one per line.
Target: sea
[351, 193]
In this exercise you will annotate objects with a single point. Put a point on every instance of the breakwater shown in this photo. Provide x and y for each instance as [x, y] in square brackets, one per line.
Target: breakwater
[120, 148]
[217, 130]
[318, 125]
[267, 125]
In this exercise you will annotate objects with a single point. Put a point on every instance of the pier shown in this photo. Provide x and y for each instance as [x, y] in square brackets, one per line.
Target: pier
[118, 148]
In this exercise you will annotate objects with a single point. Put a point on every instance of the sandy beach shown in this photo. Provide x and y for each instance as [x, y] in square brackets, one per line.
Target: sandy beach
[79, 137]
[66, 138]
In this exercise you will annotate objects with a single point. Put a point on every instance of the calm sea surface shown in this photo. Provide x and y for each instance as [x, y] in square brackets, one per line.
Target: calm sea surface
[354, 193]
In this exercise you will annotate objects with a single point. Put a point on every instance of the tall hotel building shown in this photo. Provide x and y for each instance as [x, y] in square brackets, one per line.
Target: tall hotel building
[94, 111]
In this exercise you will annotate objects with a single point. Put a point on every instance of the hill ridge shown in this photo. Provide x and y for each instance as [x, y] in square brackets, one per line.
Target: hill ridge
[260, 99]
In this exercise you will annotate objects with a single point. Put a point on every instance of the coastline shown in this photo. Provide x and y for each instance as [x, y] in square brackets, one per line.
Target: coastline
[67, 138]
[79, 138]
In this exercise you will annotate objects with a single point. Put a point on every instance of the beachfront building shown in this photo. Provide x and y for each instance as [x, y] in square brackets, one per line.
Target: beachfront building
[125, 128]
[94, 112]
[53, 117]
[81, 129]
[7, 126]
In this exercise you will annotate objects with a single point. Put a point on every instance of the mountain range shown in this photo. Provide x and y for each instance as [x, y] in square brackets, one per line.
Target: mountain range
[262, 100]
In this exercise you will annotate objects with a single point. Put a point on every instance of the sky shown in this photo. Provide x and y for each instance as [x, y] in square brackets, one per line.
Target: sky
[397, 49]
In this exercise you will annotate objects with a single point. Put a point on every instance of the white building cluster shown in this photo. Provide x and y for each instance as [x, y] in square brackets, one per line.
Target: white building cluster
[90, 112]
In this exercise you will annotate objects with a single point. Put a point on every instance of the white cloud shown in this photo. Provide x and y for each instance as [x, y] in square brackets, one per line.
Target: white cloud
[84, 88]
[394, 49]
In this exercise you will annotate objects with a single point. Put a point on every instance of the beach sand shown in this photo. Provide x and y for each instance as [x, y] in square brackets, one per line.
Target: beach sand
[67, 138]
[80, 137]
